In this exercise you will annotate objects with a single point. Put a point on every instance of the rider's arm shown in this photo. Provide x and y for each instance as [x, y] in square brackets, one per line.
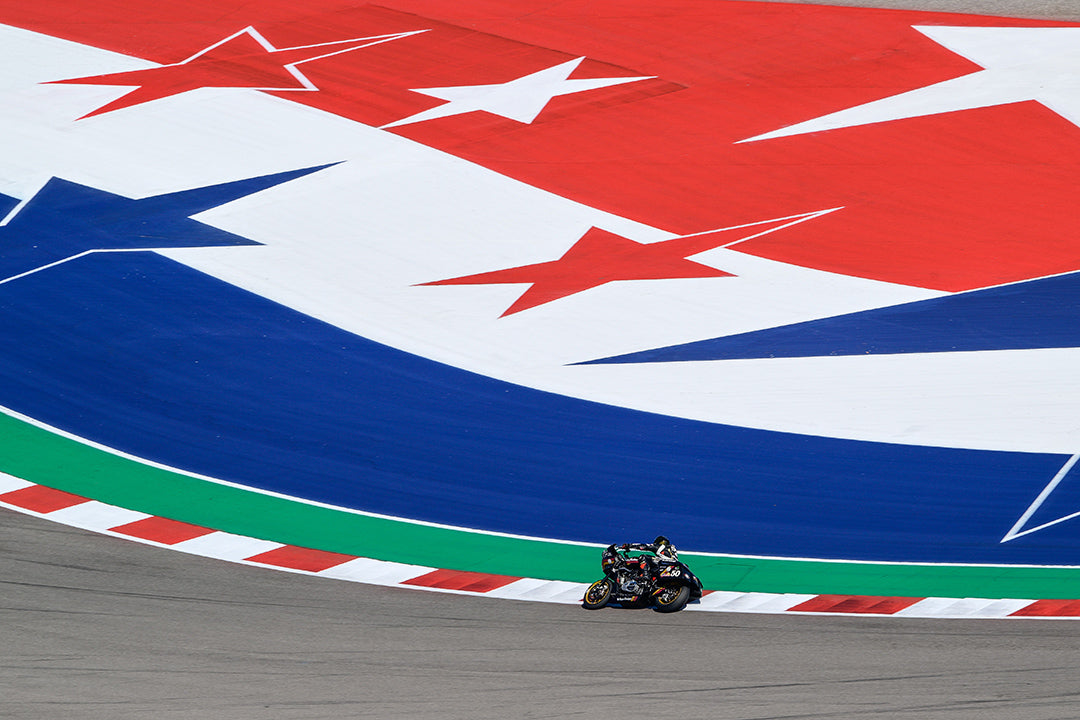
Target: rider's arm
[639, 548]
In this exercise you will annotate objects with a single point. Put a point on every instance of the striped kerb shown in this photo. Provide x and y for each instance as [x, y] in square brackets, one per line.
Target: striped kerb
[57, 505]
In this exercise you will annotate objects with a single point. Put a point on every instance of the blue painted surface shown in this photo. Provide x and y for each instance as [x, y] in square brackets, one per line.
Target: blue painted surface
[1063, 502]
[65, 219]
[1042, 313]
[153, 358]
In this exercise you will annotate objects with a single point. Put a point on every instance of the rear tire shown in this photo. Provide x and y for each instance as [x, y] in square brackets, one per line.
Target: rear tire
[673, 599]
[598, 594]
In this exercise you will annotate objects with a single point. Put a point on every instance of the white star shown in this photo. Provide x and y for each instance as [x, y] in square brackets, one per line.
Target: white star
[521, 99]
[1020, 64]
[1020, 528]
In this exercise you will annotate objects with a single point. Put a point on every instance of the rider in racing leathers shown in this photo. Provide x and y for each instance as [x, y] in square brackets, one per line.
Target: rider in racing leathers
[662, 551]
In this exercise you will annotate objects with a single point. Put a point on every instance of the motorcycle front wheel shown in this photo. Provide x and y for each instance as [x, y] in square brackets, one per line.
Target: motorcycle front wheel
[672, 599]
[598, 594]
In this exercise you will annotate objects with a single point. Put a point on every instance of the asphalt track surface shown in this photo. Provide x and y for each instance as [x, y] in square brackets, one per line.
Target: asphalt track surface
[96, 627]
[1035, 9]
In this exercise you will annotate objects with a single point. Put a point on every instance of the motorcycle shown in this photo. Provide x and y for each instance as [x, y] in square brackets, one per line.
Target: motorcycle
[666, 586]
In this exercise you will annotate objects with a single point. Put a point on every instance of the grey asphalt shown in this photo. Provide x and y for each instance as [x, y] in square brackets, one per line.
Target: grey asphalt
[1037, 9]
[96, 627]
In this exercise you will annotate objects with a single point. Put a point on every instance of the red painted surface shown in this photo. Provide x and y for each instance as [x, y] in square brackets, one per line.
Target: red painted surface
[39, 498]
[1050, 608]
[299, 558]
[162, 530]
[238, 62]
[461, 580]
[599, 257]
[923, 205]
[856, 604]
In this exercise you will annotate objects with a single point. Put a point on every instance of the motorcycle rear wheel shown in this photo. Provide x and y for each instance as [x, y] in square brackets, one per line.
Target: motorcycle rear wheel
[673, 599]
[598, 594]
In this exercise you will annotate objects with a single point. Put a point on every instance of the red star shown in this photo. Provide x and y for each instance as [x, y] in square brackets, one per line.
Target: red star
[600, 257]
[243, 60]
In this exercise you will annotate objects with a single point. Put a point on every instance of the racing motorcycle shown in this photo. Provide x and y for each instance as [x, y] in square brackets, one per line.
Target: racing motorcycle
[641, 581]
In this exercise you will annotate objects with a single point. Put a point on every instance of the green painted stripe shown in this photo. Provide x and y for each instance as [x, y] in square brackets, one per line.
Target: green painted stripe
[40, 456]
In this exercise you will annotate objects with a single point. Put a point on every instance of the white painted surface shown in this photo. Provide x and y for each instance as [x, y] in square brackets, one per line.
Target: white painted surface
[349, 245]
[1019, 64]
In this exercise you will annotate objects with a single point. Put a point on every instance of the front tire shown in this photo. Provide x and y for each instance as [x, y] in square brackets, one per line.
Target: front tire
[672, 599]
[598, 594]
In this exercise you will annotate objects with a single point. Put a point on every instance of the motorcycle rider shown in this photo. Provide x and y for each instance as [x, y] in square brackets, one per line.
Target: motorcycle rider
[643, 574]
[664, 549]
[661, 550]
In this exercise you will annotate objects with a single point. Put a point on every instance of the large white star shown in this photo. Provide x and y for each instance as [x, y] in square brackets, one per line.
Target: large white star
[521, 99]
[1020, 64]
[1020, 527]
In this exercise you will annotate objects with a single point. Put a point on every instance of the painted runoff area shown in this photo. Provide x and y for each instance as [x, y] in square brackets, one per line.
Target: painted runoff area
[430, 323]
